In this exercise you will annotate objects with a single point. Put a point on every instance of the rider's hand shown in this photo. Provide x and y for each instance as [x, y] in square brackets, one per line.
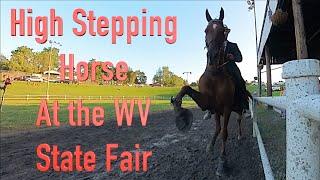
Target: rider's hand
[230, 57]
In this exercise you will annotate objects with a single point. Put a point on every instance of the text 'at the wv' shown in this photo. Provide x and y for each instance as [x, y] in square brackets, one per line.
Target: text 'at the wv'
[94, 117]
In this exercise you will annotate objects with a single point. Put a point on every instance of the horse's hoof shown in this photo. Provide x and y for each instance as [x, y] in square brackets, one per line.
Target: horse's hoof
[184, 120]
[221, 169]
[209, 149]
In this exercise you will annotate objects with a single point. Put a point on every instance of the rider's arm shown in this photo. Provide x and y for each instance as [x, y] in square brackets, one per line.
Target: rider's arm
[236, 53]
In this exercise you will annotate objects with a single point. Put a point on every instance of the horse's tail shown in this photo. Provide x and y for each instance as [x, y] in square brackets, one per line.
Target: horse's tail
[249, 94]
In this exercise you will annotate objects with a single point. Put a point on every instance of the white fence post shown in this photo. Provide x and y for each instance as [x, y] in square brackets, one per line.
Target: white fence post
[254, 116]
[303, 135]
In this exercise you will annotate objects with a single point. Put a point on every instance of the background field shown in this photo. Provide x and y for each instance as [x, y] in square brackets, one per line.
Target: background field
[22, 100]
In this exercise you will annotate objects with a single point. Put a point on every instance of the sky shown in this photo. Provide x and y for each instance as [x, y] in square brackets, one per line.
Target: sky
[147, 53]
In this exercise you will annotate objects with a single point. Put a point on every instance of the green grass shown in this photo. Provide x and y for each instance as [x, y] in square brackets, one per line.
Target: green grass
[254, 88]
[21, 113]
[273, 132]
[23, 88]
[19, 117]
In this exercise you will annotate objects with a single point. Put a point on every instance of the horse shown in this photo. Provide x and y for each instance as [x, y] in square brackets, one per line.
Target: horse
[216, 90]
[4, 85]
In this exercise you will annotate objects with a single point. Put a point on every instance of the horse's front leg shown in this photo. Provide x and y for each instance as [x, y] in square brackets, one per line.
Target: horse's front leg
[226, 115]
[216, 133]
[201, 99]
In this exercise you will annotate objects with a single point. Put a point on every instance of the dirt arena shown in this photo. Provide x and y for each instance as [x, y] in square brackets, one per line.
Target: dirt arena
[176, 155]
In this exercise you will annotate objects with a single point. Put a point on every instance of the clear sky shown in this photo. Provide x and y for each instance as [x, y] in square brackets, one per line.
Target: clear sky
[146, 53]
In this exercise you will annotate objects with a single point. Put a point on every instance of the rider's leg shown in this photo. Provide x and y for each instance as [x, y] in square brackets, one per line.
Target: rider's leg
[234, 71]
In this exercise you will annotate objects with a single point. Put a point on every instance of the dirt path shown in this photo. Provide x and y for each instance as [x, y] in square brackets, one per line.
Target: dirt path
[175, 155]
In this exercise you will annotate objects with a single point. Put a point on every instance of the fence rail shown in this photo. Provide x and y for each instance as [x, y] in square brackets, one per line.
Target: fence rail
[68, 97]
[302, 106]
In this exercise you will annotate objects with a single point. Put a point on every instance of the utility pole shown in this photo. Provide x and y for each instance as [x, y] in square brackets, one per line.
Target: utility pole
[49, 68]
[187, 73]
[252, 6]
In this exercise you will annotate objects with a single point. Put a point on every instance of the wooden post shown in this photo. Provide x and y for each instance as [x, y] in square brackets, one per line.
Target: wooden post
[259, 67]
[301, 45]
[268, 70]
[259, 81]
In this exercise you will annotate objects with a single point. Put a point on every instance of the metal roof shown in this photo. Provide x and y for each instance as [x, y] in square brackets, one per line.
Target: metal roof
[281, 38]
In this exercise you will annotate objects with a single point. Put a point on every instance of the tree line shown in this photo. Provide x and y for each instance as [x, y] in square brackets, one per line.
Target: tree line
[24, 59]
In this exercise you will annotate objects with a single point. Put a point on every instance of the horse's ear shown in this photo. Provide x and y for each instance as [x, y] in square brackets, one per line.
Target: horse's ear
[221, 14]
[209, 18]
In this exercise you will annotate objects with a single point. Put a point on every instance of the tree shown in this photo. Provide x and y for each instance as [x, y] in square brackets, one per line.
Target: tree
[131, 76]
[167, 78]
[3, 62]
[24, 59]
[98, 74]
[157, 78]
[141, 78]
[176, 81]
[42, 59]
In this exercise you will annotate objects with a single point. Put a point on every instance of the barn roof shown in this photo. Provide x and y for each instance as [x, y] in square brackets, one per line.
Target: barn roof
[280, 38]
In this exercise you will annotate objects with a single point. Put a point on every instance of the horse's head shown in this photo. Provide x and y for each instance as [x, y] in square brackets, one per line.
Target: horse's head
[214, 34]
[7, 81]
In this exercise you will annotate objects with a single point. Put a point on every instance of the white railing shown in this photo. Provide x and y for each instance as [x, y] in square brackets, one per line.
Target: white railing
[93, 97]
[302, 105]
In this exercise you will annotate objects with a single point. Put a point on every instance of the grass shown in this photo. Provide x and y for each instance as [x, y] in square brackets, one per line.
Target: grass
[23, 88]
[19, 117]
[273, 132]
[254, 88]
[22, 113]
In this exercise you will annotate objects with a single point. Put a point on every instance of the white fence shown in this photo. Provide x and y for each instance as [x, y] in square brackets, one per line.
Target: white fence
[69, 97]
[302, 105]
[28, 97]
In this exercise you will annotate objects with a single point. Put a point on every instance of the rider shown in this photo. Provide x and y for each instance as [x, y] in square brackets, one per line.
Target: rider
[234, 55]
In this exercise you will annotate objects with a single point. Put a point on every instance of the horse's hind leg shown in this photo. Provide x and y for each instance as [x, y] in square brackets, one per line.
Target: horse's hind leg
[216, 133]
[201, 99]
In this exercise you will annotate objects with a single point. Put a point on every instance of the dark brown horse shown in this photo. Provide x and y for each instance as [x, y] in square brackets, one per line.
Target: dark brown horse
[216, 89]
[4, 85]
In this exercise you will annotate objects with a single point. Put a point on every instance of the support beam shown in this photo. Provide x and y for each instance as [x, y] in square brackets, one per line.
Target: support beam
[268, 70]
[301, 45]
[259, 67]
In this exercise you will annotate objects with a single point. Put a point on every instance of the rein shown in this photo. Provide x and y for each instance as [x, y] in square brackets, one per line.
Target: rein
[220, 66]
[223, 57]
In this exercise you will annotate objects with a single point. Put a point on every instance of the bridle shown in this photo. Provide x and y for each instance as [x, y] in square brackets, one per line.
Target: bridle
[219, 51]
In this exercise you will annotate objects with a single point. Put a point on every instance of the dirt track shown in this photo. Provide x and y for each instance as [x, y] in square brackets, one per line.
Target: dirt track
[175, 155]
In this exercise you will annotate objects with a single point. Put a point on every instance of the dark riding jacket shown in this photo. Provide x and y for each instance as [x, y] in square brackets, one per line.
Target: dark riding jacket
[234, 71]
[232, 48]
[232, 68]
